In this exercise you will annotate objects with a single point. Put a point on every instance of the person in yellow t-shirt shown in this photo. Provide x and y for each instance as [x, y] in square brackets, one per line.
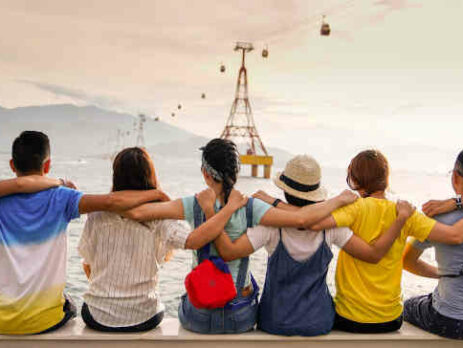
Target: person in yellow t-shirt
[368, 296]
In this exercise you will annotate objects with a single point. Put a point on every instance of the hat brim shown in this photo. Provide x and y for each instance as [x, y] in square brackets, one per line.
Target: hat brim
[317, 195]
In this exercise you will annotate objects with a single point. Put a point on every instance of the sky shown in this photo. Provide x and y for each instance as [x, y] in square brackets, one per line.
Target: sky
[389, 76]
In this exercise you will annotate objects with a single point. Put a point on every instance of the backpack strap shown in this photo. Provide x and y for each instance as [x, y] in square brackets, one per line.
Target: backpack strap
[244, 262]
[249, 211]
[199, 218]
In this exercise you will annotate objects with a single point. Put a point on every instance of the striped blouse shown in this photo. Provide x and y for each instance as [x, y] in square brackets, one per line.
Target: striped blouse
[124, 257]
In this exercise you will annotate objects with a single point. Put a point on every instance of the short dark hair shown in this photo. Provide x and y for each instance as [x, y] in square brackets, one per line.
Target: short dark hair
[30, 150]
[298, 202]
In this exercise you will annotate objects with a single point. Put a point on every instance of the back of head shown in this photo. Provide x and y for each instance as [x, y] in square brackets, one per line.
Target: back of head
[369, 172]
[30, 151]
[221, 155]
[459, 164]
[133, 169]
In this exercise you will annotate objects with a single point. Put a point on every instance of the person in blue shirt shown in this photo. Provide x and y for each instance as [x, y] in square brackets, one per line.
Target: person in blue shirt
[440, 312]
[33, 238]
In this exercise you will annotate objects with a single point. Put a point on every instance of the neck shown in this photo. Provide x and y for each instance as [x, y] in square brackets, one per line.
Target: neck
[219, 193]
[378, 195]
[40, 173]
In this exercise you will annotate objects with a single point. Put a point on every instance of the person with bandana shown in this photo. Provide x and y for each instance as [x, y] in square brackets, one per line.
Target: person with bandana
[220, 167]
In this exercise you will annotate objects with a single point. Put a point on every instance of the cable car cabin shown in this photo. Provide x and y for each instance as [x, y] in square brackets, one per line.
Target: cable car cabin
[325, 29]
[203, 96]
[172, 114]
[222, 68]
[179, 106]
[265, 53]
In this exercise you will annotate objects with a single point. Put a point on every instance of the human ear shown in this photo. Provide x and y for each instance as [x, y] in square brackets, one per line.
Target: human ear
[47, 166]
[13, 168]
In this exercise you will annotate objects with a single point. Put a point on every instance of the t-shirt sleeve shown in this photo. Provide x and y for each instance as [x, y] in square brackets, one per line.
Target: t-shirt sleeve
[85, 247]
[188, 203]
[339, 236]
[174, 233]
[259, 208]
[421, 245]
[71, 198]
[261, 236]
[346, 216]
[419, 226]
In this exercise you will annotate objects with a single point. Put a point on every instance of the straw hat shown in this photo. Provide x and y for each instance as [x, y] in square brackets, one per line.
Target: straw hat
[301, 179]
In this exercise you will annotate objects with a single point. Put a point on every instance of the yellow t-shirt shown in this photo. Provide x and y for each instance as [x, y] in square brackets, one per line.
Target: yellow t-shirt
[371, 293]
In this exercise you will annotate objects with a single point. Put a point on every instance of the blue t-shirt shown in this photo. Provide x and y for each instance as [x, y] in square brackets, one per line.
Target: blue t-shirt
[33, 248]
[448, 295]
[235, 227]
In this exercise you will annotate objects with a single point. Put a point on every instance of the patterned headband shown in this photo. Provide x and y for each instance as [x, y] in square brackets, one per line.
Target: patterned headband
[211, 171]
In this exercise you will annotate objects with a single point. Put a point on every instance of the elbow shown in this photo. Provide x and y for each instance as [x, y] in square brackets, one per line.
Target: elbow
[456, 239]
[133, 215]
[227, 257]
[374, 259]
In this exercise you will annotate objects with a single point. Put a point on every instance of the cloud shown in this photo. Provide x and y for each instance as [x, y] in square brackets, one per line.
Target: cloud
[77, 95]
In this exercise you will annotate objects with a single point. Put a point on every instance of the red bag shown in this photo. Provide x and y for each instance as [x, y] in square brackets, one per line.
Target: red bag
[210, 284]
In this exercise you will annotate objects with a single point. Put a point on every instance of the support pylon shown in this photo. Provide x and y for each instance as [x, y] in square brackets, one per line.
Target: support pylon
[141, 134]
[240, 125]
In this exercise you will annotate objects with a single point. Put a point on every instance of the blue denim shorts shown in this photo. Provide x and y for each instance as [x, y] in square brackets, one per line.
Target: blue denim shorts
[216, 321]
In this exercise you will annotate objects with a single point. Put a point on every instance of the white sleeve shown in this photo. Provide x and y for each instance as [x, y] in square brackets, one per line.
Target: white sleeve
[339, 236]
[174, 233]
[262, 236]
[86, 244]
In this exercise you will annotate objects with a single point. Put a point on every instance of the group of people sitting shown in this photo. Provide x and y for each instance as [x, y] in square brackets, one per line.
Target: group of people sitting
[133, 229]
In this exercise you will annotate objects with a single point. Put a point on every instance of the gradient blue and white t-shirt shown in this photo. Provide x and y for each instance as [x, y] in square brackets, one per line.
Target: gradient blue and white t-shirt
[33, 250]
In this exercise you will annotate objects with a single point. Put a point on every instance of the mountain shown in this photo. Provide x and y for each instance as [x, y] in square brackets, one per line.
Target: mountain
[90, 131]
[86, 130]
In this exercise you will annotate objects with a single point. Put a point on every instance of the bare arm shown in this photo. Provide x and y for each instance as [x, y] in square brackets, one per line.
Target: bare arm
[27, 184]
[308, 215]
[435, 207]
[413, 264]
[153, 211]
[375, 251]
[87, 269]
[447, 234]
[231, 250]
[215, 224]
[117, 201]
[263, 196]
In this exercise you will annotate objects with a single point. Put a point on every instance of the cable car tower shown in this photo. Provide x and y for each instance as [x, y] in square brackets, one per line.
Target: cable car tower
[240, 124]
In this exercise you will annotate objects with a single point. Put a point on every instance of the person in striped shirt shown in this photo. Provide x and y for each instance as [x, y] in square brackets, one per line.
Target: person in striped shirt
[122, 257]
[33, 238]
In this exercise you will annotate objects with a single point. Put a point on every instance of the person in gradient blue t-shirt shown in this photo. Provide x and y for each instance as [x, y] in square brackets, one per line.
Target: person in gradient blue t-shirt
[33, 239]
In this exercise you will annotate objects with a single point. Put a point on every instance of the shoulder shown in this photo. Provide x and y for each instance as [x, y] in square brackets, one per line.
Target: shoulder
[450, 218]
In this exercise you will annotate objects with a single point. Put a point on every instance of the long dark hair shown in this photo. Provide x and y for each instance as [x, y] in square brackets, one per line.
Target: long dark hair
[133, 169]
[222, 155]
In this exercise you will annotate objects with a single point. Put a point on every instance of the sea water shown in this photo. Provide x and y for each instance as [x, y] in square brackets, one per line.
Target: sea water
[180, 177]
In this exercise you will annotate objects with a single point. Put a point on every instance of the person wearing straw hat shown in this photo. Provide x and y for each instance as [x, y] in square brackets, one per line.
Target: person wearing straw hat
[296, 299]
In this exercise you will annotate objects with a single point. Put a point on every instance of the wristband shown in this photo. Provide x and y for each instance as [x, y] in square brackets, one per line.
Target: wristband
[458, 202]
[276, 202]
[63, 182]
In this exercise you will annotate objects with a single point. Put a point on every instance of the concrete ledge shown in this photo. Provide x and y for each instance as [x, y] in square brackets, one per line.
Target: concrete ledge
[170, 334]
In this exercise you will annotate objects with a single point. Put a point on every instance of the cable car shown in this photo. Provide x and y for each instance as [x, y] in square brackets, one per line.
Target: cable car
[179, 106]
[222, 68]
[325, 29]
[203, 96]
[156, 119]
[265, 52]
[172, 114]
